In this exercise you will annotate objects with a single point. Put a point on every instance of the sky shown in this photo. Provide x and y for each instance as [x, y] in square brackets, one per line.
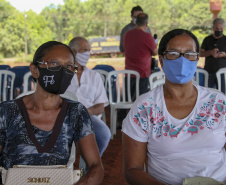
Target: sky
[35, 5]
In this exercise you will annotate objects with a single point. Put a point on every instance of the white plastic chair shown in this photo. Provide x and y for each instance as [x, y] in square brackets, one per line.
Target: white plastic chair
[104, 75]
[24, 94]
[27, 77]
[219, 73]
[121, 102]
[205, 74]
[158, 83]
[7, 79]
[156, 76]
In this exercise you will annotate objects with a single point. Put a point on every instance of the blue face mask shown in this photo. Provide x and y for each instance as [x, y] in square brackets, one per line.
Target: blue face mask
[179, 71]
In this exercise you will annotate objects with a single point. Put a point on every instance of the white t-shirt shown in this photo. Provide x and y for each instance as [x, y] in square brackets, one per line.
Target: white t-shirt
[177, 149]
[91, 90]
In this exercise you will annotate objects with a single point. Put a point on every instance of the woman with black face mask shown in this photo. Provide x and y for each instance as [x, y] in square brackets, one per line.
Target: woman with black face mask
[38, 129]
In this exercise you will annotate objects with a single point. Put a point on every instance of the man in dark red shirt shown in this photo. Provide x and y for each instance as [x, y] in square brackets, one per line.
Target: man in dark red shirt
[139, 47]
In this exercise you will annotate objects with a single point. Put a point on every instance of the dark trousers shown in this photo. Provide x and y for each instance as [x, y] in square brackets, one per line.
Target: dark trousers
[143, 88]
[212, 82]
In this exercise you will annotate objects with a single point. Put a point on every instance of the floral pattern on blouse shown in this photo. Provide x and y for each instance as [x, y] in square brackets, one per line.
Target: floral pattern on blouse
[209, 114]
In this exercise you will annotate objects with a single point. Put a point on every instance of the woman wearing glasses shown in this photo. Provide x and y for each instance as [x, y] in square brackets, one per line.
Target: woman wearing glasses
[179, 126]
[39, 129]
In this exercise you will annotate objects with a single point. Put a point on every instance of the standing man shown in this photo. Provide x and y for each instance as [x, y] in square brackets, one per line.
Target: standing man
[88, 86]
[134, 12]
[213, 49]
[139, 48]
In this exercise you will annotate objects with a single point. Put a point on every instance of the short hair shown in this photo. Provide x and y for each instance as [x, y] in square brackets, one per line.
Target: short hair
[74, 43]
[173, 33]
[44, 48]
[155, 36]
[218, 21]
[136, 8]
[142, 19]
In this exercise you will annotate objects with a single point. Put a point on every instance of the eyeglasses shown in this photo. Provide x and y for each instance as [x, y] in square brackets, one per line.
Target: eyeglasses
[56, 66]
[172, 55]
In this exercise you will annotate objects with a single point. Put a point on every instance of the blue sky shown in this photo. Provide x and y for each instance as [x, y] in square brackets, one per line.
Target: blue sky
[35, 5]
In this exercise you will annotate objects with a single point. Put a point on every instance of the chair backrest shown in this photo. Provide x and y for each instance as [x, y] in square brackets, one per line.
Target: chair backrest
[5, 67]
[108, 69]
[104, 67]
[121, 88]
[20, 71]
[156, 76]
[7, 79]
[221, 73]
[69, 95]
[158, 82]
[28, 83]
[24, 94]
[104, 75]
[201, 77]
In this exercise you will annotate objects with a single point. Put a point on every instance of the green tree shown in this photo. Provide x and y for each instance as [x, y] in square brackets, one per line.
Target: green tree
[100, 18]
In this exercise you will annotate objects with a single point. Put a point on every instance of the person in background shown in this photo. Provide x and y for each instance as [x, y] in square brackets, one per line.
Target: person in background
[139, 49]
[88, 86]
[179, 126]
[134, 12]
[214, 50]
[156, 38]
[38, 129]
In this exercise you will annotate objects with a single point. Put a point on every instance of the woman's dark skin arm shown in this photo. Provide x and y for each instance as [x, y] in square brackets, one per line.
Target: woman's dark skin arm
[88, 149]
[134, 154]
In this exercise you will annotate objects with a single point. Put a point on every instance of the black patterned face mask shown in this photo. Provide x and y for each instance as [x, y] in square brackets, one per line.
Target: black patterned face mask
[218, 33]
[55, 81]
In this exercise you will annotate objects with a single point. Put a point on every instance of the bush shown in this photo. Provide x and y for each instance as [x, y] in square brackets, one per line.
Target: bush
[27, 59]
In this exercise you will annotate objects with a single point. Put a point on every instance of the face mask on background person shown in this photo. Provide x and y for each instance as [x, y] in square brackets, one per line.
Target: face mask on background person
[179, 71]
[82, 58]
[134, 20]
[218, 33]
[53, 80]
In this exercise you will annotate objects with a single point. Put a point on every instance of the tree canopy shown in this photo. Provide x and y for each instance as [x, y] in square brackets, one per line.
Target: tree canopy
[20, 31]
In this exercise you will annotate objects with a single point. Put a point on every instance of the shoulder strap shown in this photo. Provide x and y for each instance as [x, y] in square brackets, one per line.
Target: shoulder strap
[56, 129]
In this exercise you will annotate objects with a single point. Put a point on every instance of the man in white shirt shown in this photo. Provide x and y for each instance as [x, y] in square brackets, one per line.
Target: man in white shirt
[88, 86]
